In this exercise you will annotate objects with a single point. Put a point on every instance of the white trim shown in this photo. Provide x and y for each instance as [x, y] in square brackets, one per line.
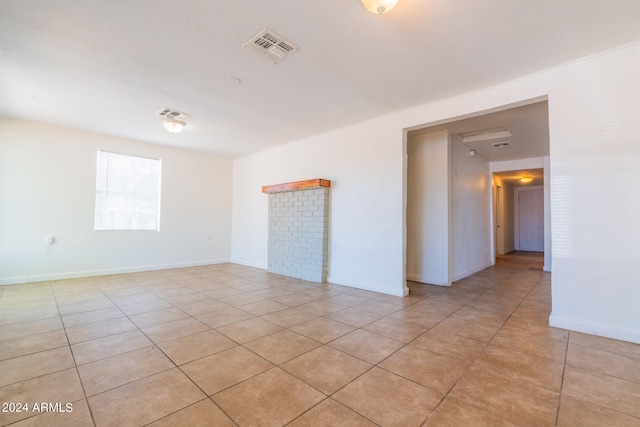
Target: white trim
[626, 334]
[368, 286]
[426, 281]
[471, 271]
[365, 286]
[106, 272]
[254, 264]
[449, 240]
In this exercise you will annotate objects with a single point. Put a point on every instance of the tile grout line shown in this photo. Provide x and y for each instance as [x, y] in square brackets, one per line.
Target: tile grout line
[564, 369]
[175, 365]
[73, 357]
[481, 352]
[448, 393]
[496, 281]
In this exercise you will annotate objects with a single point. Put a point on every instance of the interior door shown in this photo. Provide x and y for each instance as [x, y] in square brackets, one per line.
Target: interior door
[531, 219]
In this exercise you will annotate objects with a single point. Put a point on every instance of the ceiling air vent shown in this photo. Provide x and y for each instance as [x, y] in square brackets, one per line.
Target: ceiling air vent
[271, 45]
[504, 144]
[173, 114]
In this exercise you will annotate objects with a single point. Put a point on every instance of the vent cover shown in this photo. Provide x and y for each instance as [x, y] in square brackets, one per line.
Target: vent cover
[505, 144]
[173, 114]
[271, 45]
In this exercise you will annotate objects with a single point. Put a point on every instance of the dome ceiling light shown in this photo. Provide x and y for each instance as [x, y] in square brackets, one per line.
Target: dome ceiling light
[174, 120]
[379, 6]
[173, 125]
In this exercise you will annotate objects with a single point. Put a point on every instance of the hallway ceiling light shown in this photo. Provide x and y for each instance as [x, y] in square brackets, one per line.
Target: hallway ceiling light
[173, 125]
[526, 179]
[379, 6]
[485, 135]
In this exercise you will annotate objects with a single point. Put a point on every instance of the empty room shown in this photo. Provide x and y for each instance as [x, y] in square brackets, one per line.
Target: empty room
[296, 213]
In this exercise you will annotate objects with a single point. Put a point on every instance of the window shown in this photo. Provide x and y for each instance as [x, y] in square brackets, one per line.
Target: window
[127, 192]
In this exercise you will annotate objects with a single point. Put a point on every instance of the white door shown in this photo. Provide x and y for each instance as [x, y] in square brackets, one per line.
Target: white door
[531, 219]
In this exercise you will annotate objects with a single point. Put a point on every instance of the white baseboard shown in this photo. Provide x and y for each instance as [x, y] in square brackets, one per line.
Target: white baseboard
[106, 271]
[368, 286]
[624, 334]
[425, 280]
[471, 271]
[260, 265]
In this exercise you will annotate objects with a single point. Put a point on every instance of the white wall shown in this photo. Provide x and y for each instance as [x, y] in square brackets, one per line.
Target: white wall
[510, 218]
[366, 227]
[471, 223]
[428, 208]
[448, 210]
[594, 123]
[47, 187]
[595, 194]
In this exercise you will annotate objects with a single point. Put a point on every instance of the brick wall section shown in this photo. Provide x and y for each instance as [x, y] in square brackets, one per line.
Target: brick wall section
[299, 233]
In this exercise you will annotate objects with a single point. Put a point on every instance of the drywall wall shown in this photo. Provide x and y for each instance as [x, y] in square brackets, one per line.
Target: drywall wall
[448, 210]
[594, 121]
[510, 217]
[47, 188]
[428, 208]
[594, 126]
[365, 226]
[470, 212]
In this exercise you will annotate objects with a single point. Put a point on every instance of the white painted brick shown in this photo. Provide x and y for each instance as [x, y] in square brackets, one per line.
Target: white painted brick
[298, 233]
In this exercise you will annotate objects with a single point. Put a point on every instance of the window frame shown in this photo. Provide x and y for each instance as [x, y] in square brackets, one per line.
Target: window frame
[132, 198]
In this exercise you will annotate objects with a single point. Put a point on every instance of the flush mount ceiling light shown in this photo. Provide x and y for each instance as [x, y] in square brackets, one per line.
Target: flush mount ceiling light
[173, 125]
[379, 6]
[485, 135]
[174, 120]
[526, 179]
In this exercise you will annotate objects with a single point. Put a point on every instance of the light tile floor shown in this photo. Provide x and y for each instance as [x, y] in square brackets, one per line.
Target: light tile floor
[225, 345]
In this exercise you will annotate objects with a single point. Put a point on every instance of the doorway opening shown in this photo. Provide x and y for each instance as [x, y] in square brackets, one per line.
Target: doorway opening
[519, 211]
[457, 209]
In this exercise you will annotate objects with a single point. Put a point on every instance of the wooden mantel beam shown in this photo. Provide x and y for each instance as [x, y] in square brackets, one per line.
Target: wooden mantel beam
[298, 185]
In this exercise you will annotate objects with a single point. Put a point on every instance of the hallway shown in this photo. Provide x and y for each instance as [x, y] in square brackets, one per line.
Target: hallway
[521, 259]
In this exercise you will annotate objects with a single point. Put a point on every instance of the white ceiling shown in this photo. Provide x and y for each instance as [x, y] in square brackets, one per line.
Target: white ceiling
[108, 67]
[527, 124]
